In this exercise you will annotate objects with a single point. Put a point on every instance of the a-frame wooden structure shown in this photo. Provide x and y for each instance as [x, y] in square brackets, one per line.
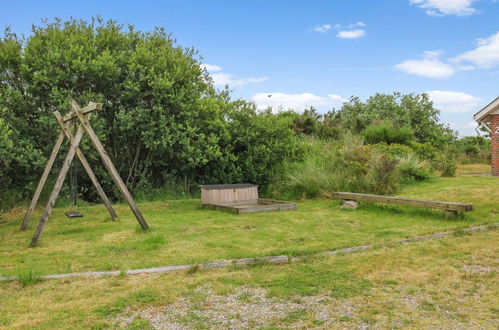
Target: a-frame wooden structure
[78, 117]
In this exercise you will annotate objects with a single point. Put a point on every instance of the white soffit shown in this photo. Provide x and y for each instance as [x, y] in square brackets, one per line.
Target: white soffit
[491, 108]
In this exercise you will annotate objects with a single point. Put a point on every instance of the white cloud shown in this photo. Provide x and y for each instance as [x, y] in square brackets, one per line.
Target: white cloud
[432, 54]
[349, 31]
[323, 28]
[221, 79]
[446, 7]
[351, 34]
[453, 102]
[465, 129]
[297, 101]
[428, 67]
[211, 67]
[485, 55]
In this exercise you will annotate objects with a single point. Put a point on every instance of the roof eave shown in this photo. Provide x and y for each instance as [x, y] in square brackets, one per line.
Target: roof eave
[480, 115]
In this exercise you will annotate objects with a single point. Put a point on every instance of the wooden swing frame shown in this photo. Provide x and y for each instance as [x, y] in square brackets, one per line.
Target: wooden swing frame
[77, 119]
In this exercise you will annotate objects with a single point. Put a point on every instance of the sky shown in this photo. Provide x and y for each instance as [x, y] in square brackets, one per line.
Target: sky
[319, 53]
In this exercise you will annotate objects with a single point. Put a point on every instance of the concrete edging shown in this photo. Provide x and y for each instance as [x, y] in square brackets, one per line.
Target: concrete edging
[242, 262]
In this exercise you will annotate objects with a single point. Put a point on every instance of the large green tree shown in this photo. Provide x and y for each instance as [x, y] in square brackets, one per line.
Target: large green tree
[162, 118]
[407, 110]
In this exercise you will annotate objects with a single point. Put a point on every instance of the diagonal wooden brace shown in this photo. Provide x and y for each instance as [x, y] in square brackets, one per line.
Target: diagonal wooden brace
[58, 185]
[109, 165]
[42, 181]
[86, 166]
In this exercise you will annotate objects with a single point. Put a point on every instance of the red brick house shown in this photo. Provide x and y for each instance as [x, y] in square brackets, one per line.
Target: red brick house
[488, 117]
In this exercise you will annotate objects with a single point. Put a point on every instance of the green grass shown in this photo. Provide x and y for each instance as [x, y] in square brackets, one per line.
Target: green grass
[28, 277]
[467, 169]
[419, 285]
[184, 233]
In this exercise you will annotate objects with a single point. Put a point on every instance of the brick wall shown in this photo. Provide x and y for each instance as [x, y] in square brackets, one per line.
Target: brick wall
[495, 143]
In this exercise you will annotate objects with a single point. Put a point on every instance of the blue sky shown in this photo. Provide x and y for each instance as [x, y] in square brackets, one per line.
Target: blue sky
[319, 53]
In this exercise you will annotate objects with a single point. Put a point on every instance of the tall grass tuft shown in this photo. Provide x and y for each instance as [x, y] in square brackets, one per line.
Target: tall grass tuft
[28, 277]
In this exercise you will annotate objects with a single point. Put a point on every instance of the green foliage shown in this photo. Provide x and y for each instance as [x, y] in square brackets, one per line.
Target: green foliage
[424, 150]
[383, 175]
[410, 110]
[386, 132]
[167, 129]
[394, 150]
[412, 169]
[473, 149]
[445, 163]
[162, 120]
[346, 165]
[139, 323]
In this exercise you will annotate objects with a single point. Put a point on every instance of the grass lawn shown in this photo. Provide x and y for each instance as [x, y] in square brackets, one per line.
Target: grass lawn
[467, 169]
[183, 233]
[447, 283]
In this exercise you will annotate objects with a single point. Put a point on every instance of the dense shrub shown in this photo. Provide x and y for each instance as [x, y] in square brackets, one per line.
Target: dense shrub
[445, 163]
[394, 150]
[473, 149]
[412, 169]
[345, 165]
[162, 121]
[383, 175]
[386, 132]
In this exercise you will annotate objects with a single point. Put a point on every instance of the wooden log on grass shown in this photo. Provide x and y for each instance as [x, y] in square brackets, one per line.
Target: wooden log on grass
[448, 206]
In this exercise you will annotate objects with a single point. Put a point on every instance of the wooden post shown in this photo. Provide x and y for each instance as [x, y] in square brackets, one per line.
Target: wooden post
[42, 181]
[86, 166]
[57, 186]
[109, 165]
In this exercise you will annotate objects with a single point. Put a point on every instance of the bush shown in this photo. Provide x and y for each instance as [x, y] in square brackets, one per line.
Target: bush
[345, 165]
[473, 149]
[162, 120]
[425, 150]
[386, 132]
[445, 163]
[394, 150]
[383, 175]
[411, 169]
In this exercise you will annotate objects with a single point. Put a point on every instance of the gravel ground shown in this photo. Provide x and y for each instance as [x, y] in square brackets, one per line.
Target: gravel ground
[246, 308]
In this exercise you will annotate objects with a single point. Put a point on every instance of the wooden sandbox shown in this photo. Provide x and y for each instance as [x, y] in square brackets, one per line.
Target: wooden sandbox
[240, 198]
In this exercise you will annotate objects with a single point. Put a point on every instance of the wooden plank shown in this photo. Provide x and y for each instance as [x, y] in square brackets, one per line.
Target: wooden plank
[219, 207]
[263, 205]
[450, 206]
[110, 166]
[42, 181]
[86, 166]
[217, 196]
[92, 106]
[57, 186]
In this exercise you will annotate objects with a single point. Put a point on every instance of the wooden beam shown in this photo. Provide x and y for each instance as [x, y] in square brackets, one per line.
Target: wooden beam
[92, 106]
[449, 206]
[57, 186]
[42, 181]
[110, 166]
[86, 166]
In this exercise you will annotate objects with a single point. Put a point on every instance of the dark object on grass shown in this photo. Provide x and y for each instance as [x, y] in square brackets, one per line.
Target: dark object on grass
[73, 214]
